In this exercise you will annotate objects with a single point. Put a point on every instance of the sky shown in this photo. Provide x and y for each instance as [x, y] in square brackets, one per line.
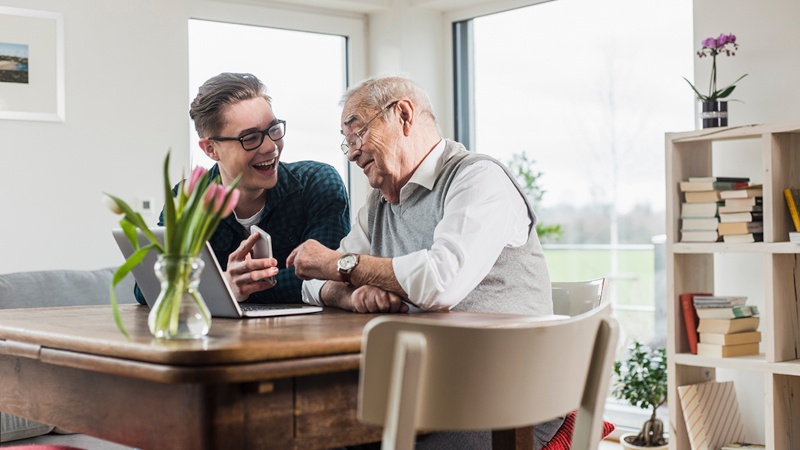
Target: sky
[19, 50]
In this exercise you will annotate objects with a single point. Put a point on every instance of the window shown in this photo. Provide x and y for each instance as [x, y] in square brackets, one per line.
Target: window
[586, 90]
[305, 90]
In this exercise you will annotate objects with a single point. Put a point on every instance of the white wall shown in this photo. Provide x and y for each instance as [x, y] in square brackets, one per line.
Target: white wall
[766, 31]
[126, 104]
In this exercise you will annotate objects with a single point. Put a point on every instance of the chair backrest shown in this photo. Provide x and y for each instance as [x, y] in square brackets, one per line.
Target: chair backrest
[421, 373]
[571, 298]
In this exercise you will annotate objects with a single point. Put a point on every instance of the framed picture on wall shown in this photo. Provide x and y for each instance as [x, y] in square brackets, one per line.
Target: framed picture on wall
[31, 65]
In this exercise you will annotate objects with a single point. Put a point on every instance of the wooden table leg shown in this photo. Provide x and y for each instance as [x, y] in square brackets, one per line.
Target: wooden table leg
[516, 438]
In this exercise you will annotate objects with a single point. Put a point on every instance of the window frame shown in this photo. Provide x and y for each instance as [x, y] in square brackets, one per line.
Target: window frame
[351, 26]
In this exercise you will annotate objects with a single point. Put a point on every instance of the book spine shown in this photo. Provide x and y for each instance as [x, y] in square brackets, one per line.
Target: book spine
[792, 208]
[690, 319]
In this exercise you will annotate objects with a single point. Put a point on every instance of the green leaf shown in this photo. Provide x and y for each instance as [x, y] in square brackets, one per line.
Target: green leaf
[119, 275]
[169, 208]
[699, 95]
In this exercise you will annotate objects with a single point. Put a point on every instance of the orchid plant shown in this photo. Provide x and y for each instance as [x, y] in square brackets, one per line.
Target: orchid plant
[724, 44]
[190, 217]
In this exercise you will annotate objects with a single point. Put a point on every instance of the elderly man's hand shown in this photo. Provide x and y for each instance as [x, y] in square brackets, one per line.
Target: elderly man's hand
[312, 260]
[371, 299]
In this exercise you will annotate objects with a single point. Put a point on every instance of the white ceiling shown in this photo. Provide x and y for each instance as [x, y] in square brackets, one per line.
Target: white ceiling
[369, 6]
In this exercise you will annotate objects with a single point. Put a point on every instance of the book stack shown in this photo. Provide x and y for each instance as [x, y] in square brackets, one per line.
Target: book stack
[727, 326]
[741, 216]
[699, 211]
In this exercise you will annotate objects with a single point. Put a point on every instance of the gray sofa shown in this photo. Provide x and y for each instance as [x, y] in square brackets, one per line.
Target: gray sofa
[56, 288]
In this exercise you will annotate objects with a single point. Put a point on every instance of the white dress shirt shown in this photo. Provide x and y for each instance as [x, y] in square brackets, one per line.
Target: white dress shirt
[483, 213]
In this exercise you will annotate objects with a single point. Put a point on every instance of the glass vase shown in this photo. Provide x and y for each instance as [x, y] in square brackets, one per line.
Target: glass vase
[714, 114]
[179, 311]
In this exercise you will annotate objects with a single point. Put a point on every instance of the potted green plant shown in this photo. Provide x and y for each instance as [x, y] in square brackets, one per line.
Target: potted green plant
[641, 380]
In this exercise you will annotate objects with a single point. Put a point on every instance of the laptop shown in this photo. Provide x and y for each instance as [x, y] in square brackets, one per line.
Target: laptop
[213, 287]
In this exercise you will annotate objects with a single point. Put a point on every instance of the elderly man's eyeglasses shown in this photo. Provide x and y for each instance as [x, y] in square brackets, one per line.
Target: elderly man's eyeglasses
[252, 141]
[357, 141]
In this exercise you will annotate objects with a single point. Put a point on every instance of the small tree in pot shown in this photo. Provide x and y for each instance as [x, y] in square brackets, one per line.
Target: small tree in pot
[641, 380]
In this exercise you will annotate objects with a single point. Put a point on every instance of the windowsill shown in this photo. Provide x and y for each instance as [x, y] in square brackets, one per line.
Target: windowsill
[629, 419]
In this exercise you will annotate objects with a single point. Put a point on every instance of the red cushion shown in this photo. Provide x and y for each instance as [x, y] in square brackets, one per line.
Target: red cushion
[563, 437]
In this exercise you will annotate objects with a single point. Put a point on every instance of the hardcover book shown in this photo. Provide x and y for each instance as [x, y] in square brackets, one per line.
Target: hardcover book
[699, 223]
[726, 351]
[755, 190]
[720, 301]
[699, 236]
[752, 216]
[724, 326]
[693, 185]
[701, 196]
[743, 238]
[746, 337]
[727, 313]
[729, 179]
[740, 228]
[690, 319]
[705, 209]
[732, 208]
[748, 201]
[711, 413]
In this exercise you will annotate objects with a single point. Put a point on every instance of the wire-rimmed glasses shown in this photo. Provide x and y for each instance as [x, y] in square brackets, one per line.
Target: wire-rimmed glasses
[252, 141]
[357, 141]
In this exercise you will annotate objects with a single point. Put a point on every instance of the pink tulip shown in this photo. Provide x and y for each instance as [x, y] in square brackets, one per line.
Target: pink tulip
[208, 198]
[231, 205]
[197, 173]
[219, 199]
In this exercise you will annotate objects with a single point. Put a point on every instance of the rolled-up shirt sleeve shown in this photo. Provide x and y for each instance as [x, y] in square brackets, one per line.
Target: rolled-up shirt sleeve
[483, 213]
[356, 241]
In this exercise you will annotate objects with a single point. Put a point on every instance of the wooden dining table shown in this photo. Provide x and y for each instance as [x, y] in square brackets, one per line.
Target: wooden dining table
[262, 383]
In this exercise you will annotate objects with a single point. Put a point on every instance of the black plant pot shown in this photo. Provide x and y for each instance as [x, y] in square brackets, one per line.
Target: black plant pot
[714, 114]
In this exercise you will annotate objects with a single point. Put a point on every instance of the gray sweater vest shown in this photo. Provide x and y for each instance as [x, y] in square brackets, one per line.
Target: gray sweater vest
[518, 283]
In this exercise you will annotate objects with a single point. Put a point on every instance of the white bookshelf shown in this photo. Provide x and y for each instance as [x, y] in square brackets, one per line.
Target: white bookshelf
[690, 268]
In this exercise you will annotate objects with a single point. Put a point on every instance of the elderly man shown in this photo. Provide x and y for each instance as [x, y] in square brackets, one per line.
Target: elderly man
[444, 229]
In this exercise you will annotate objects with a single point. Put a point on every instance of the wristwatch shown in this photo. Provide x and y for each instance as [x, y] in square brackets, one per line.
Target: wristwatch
[346, 264]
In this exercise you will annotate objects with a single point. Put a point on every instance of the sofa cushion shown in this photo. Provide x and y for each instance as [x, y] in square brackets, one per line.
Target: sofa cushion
[62, 288]
[54, 288]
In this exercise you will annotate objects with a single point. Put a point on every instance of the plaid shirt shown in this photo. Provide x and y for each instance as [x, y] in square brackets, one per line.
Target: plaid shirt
[308, 202]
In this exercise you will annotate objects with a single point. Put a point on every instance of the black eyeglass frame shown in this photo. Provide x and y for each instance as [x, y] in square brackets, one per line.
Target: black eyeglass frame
[278, 123]
[345, 146]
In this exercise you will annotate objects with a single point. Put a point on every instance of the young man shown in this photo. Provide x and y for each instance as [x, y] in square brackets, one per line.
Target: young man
[292, 202]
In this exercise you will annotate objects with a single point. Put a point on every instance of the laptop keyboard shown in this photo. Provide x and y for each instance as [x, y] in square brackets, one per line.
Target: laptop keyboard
[266, 307]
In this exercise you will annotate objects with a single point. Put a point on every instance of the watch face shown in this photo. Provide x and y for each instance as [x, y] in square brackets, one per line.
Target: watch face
[347, 262]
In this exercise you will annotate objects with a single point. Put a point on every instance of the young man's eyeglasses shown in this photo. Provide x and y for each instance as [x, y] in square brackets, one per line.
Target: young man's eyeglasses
[357, 142]
[252, 141]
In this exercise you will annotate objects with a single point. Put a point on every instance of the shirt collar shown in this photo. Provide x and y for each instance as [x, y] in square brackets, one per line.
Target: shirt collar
[426, 173]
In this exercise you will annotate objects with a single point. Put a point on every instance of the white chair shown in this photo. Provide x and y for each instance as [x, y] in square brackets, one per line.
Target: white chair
[421, 373]
[571, 298]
